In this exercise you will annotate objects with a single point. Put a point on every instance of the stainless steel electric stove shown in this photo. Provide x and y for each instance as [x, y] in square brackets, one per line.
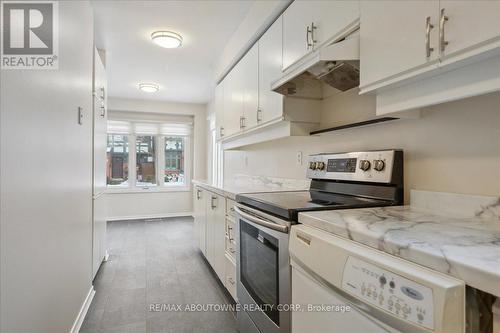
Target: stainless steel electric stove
[338, 181]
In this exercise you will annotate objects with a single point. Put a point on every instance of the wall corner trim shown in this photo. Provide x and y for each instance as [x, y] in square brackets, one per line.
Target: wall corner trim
[83, 311]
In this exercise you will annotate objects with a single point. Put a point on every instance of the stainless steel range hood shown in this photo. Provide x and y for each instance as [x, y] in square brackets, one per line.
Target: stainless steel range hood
[336, 64]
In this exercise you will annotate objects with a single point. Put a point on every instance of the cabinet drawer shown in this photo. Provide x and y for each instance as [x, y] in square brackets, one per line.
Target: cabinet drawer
[230, 282]
[230, 208]
[230, 249]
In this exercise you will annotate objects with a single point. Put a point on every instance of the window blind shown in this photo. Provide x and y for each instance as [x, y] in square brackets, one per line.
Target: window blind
[149, 128]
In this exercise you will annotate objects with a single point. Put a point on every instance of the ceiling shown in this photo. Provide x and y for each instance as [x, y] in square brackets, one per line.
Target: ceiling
[186, 74]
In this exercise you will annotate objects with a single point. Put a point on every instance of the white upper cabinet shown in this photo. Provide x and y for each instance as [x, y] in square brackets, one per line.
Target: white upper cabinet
[309, 24]
[249, 76]
[233, 102]
[270, 63]
[469, 24]
[397, 37]
[403, 40]
[219, 110]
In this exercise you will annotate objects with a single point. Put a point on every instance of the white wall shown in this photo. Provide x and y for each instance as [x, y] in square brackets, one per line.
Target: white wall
[454, 147]
[161, 204]
[46, 184]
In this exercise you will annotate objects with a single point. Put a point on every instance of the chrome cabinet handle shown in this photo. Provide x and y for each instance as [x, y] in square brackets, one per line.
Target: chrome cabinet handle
[443, 19]
[428, 27]
[310, 30]
[229, 233]
[221, 131]
[242, 122]
[259, 115]
[213, 205]
[198, 194]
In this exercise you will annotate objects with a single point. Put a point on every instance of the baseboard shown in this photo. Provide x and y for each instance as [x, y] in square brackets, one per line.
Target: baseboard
[153, 216]
[83, 311]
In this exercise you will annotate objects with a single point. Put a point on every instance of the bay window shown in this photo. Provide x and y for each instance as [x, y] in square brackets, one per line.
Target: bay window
[162, 156]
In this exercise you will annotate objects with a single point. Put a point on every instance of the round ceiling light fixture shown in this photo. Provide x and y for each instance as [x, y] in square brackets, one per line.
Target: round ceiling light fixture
[167, 39]
[149, 87]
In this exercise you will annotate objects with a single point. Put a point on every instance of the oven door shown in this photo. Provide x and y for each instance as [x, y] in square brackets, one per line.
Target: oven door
[263, 269]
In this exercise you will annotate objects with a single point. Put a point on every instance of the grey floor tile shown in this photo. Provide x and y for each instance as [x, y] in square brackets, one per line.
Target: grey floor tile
[139, 327]
[155, 262]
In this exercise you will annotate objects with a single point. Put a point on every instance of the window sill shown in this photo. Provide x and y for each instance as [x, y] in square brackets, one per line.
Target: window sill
[152, 189]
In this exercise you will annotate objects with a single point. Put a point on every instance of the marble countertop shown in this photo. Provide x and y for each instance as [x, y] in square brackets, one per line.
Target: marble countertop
[255, 184]
[454, 234]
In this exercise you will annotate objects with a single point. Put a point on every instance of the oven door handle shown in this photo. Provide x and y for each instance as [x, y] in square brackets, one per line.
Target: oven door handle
[264, 223]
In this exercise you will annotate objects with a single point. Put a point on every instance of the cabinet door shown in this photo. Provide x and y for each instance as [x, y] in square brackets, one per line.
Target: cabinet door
[100, 124]
[331, 17]
[233, 101]
[270, 62]
[328, 17]
[219, 110]
[219, 236]
[296, 18]
[250, 82]
[392, 38]
[470, 24]
[200, 225]
[210, 221]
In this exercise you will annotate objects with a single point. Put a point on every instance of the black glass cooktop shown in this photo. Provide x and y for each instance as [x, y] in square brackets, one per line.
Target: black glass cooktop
[287, 205]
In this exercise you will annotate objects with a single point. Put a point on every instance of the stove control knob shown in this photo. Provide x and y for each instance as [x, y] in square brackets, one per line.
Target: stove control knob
[312, 165]
[378, 165]
[320, 165]
[364, 165]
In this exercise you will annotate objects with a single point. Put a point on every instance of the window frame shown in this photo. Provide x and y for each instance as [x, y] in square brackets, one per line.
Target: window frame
[160, 185]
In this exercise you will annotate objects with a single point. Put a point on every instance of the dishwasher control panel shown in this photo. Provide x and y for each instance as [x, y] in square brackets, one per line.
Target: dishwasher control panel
[391, 292]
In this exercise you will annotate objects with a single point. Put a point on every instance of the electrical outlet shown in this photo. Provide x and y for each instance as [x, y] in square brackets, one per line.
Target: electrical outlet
[299, 158]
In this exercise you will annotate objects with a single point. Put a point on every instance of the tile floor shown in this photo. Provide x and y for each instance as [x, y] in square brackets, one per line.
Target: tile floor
[155, 261]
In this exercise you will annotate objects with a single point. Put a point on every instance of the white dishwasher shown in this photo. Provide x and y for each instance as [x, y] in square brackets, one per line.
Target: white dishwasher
[343, 286]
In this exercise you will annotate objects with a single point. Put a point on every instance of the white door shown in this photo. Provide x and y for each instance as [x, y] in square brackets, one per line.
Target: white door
[470, 24]
[233, 101]
[250, 81]
[328, 18]
[393, 38]
[306, 291]
[219, 233]
[331, 17]
[200, 224]
[210, 228]
[270, 63]
[100, 124]
[219, 110]
[296, 19]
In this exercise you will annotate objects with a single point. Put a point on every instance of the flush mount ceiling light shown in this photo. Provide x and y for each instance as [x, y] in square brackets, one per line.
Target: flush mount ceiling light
[149, 87]
[167, 39]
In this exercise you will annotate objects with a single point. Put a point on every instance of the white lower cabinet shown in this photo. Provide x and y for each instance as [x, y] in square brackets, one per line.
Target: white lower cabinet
[230, 281]
[200, 219]
[214, 232]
